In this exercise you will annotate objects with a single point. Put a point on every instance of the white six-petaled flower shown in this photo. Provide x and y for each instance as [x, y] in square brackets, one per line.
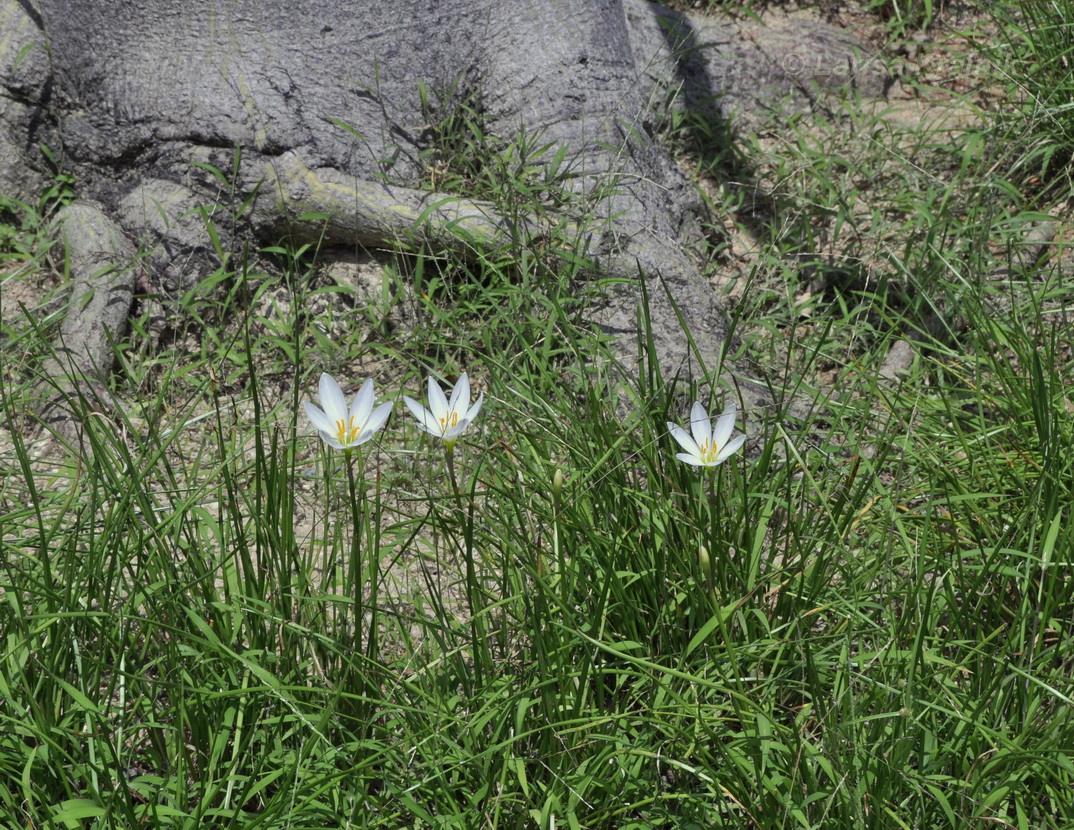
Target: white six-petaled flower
[446, 419]
[342, 428]
[707, 444]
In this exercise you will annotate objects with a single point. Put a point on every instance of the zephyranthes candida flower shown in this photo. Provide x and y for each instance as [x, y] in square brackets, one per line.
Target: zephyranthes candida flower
[707, 444]
[446, 418]
[342, 428]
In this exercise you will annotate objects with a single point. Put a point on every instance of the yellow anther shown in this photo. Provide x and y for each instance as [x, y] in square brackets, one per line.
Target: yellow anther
[346, 431]
[453, 418]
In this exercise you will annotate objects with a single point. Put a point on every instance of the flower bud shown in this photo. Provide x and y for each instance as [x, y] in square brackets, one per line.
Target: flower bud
[706, 564]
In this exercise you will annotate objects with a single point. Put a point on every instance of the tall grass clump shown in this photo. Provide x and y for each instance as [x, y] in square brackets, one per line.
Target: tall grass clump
[564, 625]
[211, 618]
[1033, 53]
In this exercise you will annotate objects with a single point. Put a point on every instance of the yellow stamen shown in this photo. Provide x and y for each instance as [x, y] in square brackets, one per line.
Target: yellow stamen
[346, 431]
[453, 418]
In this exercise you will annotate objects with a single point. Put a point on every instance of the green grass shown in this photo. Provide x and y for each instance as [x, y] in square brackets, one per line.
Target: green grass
[217, 622]
[1033, 54]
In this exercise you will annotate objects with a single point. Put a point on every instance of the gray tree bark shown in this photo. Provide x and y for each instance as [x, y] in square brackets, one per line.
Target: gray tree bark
[328, 105]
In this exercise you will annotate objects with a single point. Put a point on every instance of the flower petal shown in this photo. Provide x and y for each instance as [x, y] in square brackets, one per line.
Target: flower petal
[725, 425]
[689, 458]
[376, 420]
[460, 395]
[684, 439]
[321, 421]
[331, 440]
[700, 425]
[426, 420]
[731, 448]
[471, 413]
[332, 400]
[438, 404]
[363, 403]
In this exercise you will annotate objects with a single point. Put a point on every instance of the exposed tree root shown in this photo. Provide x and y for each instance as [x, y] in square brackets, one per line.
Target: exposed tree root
[591, 78]
[103, 268]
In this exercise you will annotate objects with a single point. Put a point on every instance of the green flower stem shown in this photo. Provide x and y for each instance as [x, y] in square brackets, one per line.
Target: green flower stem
[707, 514]
[354, 568]
[367, 680]
[370, 523]
[473, 591]
[449, 451]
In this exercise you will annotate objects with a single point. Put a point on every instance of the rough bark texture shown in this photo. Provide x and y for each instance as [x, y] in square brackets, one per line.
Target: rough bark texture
[102, 262]
[320, 106]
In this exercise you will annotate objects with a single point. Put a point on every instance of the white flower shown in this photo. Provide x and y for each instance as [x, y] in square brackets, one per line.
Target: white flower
[342, 429]
[709, 445]
[446, 419]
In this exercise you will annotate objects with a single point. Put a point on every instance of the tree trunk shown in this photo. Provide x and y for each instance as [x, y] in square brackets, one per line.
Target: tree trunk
[162, 107]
